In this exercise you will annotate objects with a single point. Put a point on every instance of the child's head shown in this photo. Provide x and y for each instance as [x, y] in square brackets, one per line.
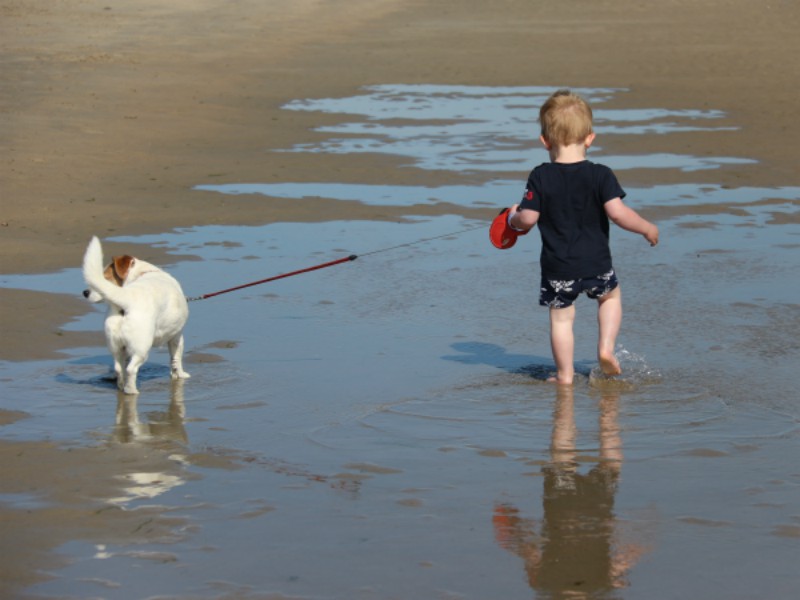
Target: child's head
[565, 119]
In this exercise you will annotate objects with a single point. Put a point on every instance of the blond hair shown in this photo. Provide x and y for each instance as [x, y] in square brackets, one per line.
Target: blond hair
[565, 119]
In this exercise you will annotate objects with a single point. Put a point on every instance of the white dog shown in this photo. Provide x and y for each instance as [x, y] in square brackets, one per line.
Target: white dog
[146, 308]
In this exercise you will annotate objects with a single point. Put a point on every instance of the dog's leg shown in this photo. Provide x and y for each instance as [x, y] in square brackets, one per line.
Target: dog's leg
[119, 361]
[117, 348]
[176, 358]
[131, 372]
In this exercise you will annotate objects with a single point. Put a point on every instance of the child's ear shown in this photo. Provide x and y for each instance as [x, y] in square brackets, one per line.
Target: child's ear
[545, 143]
[589, 139]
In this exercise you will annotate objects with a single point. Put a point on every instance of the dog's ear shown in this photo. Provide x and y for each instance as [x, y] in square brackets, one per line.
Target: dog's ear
[110, 274]
[122, 266]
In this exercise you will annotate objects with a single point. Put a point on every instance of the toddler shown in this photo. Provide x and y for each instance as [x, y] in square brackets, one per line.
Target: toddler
[572, 200]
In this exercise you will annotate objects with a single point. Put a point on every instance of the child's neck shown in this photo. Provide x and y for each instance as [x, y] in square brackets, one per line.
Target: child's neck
[572, 153]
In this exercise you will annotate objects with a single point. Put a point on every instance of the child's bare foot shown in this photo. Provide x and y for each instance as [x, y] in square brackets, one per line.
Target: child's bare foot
[609, 363]
[559, 380]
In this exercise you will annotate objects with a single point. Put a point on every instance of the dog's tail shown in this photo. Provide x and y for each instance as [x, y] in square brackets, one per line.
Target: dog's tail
[95, 279]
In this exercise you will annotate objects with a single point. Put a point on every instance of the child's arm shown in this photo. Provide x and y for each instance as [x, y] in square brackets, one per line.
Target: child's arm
[629, 219]
[522, 220]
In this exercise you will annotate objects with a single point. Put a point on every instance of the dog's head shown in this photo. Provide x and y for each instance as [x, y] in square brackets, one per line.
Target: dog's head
[117, 273]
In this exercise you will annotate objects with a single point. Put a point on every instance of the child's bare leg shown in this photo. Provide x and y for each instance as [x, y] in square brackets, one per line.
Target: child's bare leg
[609, 319]
[562, 342]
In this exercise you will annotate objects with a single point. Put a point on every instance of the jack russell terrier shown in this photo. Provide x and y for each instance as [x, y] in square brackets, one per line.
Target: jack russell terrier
[146, 308]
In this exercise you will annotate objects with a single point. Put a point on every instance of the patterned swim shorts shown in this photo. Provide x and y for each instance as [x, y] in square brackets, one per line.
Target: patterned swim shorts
[561, 294]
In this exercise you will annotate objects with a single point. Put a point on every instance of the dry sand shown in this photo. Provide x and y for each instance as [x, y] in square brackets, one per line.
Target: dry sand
[112, 112]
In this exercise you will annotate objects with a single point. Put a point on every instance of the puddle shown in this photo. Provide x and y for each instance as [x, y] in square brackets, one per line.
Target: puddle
[460, 128]
[465, 129]
[381, 427]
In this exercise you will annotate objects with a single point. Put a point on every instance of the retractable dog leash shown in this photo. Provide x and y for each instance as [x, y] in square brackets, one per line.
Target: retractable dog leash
[268, 279]
[339, 261]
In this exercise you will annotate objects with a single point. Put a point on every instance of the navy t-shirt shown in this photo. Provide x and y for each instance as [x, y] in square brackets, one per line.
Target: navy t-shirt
[570, 199]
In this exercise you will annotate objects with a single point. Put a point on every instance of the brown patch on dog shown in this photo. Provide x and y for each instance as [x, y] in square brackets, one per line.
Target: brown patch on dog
[118, 270]
[111, 275]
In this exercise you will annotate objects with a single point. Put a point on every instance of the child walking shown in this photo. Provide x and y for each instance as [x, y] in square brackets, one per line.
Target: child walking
[572, 200]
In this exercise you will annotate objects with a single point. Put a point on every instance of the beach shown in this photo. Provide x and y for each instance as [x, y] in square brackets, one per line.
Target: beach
[112, 107]
[127, 121]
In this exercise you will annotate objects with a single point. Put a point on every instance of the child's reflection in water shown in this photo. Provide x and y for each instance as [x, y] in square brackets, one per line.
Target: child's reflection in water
[576, 551]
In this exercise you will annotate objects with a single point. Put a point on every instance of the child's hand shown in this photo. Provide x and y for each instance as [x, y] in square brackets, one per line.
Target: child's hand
[511, 213]
[651, 235]
[521, 222]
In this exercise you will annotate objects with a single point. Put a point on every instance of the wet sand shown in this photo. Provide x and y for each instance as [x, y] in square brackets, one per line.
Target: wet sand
[112, 114]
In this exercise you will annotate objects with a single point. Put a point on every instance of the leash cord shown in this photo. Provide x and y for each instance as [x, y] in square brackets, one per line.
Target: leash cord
[268, 279]
[436, 237]
[350, 258]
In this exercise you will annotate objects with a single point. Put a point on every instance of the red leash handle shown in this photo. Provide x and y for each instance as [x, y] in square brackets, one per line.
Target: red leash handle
[246, 285]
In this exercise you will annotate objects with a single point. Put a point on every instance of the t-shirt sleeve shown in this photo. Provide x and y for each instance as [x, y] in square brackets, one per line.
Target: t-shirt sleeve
[531, 199]
[609, 186]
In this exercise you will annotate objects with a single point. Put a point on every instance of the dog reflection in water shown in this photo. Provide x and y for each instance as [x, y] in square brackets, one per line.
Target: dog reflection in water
[160, 472]
[577, 550]
[159, 425]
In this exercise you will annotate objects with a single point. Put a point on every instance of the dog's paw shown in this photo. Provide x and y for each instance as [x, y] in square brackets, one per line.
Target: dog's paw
[180, 375]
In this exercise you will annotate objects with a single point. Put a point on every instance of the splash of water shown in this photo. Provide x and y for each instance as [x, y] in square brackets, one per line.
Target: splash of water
[635, 372]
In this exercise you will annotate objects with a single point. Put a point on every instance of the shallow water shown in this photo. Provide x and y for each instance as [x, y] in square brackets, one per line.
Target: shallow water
[381, 428]
[488, 129]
